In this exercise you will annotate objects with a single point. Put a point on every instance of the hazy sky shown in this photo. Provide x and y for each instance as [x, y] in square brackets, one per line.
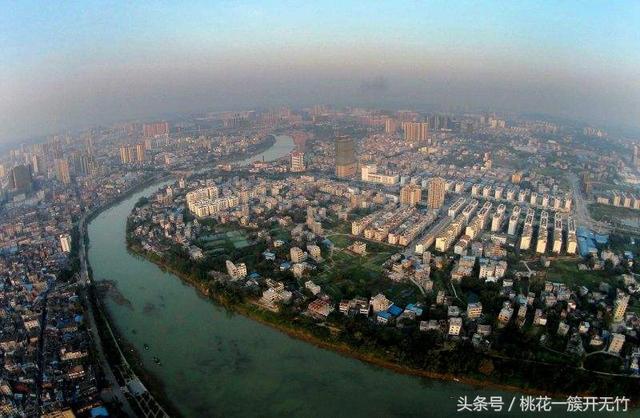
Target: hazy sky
[71, 64]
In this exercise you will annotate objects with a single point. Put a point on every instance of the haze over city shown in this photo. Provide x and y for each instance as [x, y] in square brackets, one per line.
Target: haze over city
[319, 209]
[63, 67]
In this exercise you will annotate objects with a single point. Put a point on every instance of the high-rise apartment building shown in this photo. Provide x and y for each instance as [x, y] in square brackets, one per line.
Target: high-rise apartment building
[410, 195]
[62, 171]
[20, 179]
[65, 242]
[390, 126]
[124, 154]
[154, 129]
[439, 122]
[436, 193]
[297, 162]
[82, 163]
[345, 157]
[140, 152]
[37, 164]
[516, 177]
[415, 131]
[620, 306]
[131, 153]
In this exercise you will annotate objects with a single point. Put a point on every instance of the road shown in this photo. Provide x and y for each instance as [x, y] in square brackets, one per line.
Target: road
[581, 213]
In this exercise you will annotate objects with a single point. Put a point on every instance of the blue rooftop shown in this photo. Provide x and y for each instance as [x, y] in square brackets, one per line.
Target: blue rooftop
[587, 241]
[602, 238]
[269, 255]
[99, 411]
[414, 308]
[285, 265]
[395, 310]
[385, 315]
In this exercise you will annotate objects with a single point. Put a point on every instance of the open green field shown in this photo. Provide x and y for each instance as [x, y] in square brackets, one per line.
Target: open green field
[635, 306]
[602, 212]
[566, 271]
[216, 243]
[347, 275]
[338, 226]
[557, 174]
[238, 238]
[341, 241]
[280, 233]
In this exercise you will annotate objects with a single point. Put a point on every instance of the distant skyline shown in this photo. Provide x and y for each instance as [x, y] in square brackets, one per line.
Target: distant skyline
[65, 66]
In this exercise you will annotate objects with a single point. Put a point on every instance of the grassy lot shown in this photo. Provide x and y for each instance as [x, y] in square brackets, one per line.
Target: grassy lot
[346, 275]
[337, 226]
[558, 175]
[566, 271]
[635, 306]
[280, 233]
[224, 240]
[602, 212]
[215, 243]
[341, 241]
[238, 238]
[620, 243]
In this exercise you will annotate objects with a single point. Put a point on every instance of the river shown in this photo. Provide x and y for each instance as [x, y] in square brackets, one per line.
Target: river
[280, 148]
[218, 364]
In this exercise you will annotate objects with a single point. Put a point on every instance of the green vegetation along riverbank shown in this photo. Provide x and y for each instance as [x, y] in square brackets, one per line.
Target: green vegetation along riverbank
[406, 350]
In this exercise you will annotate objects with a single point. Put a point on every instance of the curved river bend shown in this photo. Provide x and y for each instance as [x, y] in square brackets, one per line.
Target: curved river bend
[217, 364]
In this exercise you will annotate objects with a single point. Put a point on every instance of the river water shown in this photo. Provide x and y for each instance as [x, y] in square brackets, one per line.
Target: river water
[218, 364]
[282, 147]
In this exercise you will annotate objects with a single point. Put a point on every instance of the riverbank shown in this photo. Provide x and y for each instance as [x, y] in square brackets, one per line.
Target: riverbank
[155, 179]
[117, 350]
[214, 361]
[263, 146]
[252, 311]
[115, 341]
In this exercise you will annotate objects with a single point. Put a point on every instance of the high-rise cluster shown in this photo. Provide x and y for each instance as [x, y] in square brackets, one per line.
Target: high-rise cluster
[132, 153]
[154, 129]
[415, 131]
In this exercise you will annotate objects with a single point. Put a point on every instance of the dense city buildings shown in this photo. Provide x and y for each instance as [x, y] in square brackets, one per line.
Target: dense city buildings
[370, 173]
[343, 209]
[439, 232]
